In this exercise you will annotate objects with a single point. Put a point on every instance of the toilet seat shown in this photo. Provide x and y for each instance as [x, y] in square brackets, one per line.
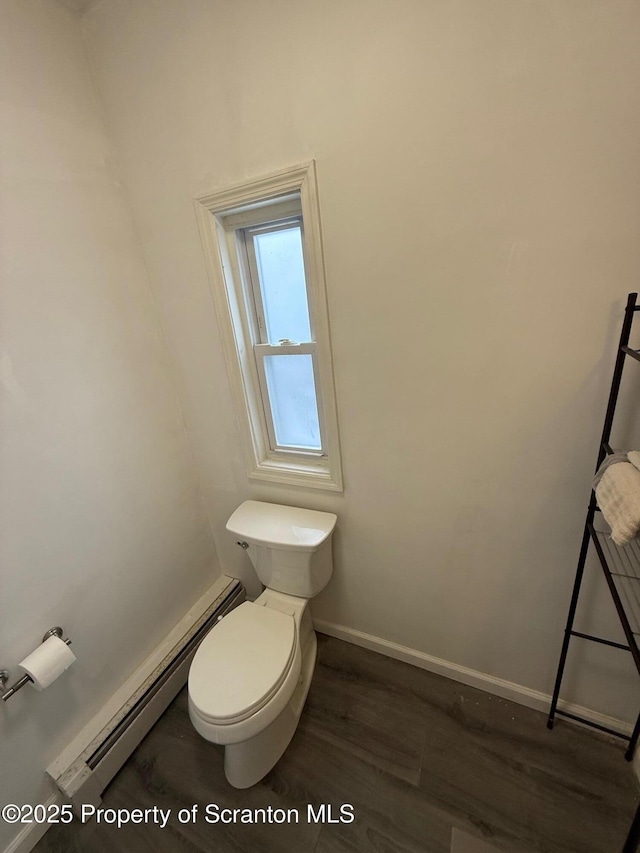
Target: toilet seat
[241, 664]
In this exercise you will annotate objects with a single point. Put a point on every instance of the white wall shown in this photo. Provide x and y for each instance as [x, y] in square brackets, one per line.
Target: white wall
[102, 529]
[480, 194]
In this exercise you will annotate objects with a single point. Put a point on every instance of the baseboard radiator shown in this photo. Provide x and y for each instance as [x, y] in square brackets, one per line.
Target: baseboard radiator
[88, 764]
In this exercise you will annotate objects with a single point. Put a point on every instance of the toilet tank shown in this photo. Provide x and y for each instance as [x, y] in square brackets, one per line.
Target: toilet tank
[289, 547]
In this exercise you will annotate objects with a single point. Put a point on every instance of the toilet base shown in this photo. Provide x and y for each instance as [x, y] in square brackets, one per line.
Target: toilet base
[247, 762]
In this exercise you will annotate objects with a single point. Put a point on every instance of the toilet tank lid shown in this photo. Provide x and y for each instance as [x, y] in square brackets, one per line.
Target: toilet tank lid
[278, 526]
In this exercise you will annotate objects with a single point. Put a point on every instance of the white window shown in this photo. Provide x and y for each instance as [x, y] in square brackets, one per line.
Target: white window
[263, 246]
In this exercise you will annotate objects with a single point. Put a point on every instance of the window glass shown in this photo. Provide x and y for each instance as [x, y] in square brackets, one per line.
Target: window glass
[293, 401]
[282, 284]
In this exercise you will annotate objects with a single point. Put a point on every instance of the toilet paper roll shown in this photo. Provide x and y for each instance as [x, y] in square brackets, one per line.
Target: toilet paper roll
[47, 662]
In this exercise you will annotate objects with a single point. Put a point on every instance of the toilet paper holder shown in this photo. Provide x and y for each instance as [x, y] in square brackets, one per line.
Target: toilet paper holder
[4, 673]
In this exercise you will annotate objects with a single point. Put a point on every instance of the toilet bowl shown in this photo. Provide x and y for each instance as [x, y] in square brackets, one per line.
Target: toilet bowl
[251, 674]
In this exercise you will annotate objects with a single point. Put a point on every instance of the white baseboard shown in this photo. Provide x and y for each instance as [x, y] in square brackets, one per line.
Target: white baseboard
[31, 833]
[482, 681]
[29, 836]
[145, 672]
[84, 784]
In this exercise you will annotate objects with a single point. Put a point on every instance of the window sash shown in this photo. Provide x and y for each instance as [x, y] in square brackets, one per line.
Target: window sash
[249, 263]
[262, 350]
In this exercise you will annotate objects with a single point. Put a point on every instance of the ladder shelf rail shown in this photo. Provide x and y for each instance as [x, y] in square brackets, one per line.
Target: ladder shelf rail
[620, 565]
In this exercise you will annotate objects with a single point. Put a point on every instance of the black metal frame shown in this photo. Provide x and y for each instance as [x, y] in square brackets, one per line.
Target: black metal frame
[608, 555]
[633, 838]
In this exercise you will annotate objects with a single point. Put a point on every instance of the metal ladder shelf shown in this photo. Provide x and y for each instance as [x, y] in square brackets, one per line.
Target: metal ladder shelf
[621, 566]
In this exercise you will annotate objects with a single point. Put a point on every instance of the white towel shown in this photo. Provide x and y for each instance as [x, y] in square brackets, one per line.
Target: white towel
[634, 457]
[611, 459]
[618, 494]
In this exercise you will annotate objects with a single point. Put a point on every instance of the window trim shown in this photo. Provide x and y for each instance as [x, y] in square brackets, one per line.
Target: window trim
[221, 215]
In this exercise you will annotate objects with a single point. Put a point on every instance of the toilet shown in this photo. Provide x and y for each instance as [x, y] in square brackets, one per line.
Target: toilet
[250, 676]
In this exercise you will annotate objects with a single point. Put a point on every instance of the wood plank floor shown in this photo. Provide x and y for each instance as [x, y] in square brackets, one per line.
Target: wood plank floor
[429, 765]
